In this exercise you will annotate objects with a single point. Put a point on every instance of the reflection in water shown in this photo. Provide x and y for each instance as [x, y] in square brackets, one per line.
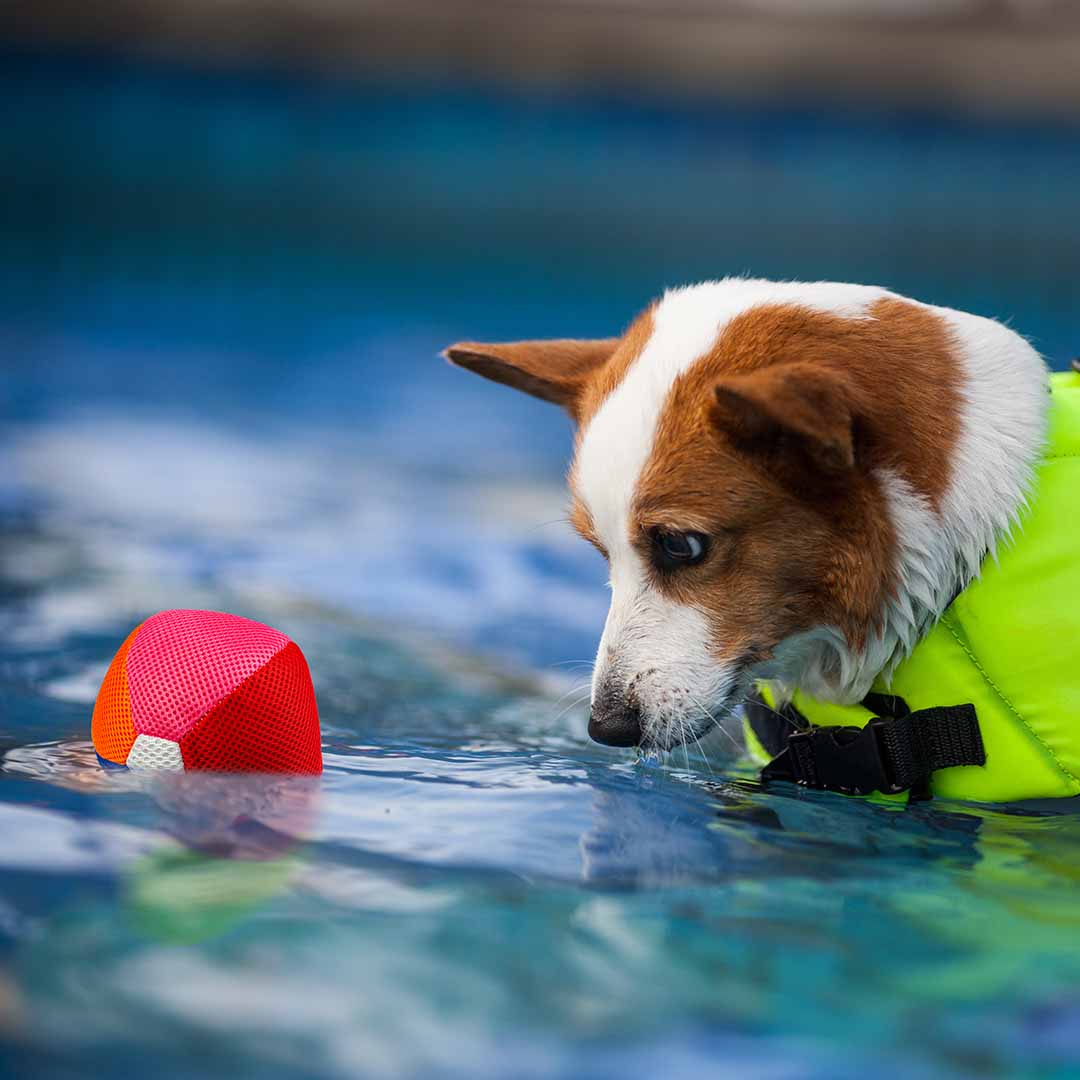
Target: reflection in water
[236, 816]
[182, 897]
[240, 837]
[225, 843]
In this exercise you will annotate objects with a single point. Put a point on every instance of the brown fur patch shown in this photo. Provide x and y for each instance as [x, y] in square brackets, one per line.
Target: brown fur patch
[576, 374]
[556, 370]
[794, 549]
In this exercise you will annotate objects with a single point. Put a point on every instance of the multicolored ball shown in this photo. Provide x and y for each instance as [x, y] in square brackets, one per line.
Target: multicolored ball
[210, 691]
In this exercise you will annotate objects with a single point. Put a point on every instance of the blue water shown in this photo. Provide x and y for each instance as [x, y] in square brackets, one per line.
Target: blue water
[221, 296]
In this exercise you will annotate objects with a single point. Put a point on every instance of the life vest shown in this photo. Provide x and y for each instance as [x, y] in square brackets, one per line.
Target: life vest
[987, 706]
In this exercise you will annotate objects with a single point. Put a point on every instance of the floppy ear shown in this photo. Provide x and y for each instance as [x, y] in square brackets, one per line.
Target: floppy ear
[799, 404]
[553, 370]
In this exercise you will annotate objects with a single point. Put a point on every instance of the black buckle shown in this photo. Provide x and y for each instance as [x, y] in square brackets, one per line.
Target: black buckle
[848, 760]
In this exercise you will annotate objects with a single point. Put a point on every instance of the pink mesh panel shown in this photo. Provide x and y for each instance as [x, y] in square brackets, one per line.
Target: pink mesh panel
[183, 663]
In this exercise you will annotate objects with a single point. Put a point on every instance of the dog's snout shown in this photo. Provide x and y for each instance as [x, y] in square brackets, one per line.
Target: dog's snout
[615, 721]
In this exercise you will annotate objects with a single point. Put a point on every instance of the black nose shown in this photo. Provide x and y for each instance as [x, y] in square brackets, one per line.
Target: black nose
[615, 723]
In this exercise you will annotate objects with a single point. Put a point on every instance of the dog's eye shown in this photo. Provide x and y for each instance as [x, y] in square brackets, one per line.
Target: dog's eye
[674, 549]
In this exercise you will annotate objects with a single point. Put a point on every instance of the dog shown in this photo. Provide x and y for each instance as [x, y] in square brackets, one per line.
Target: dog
[790, 483]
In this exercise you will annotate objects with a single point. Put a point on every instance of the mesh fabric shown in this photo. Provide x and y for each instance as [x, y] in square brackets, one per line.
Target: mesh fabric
[268, 724]
[184, 663]
[150, 752]
[111, 727]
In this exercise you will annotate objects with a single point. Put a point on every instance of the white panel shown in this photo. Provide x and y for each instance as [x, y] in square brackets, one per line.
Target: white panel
[150, 752]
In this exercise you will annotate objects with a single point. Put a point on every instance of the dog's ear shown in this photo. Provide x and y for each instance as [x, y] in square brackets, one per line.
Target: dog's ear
[553, 370]
[796, 406]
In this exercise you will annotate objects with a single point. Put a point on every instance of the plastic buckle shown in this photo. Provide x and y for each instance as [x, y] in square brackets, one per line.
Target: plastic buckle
[848, 760]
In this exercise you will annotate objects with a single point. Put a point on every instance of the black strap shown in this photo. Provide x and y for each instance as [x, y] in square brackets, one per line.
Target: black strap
[896, 751]
[773, 727]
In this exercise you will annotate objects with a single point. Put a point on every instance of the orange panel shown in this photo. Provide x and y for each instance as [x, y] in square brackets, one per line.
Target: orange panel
[111, 728]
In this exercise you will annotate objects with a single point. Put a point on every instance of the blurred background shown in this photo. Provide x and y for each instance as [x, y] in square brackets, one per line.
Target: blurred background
[234, 235]
[237, 232]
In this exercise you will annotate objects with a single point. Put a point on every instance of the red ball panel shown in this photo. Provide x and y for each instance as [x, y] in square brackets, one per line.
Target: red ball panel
[268, 724]
[183, 663]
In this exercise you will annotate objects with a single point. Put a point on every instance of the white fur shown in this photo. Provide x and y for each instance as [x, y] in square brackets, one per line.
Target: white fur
[1002, 435]
[662, 650]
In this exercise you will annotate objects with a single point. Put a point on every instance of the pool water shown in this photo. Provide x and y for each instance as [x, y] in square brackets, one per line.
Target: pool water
[223, 296]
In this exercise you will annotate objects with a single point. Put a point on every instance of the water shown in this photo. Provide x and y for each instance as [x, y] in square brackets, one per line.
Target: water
[223, 296]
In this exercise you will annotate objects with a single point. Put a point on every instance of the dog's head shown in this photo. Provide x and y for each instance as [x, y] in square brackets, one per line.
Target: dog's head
[765, 467]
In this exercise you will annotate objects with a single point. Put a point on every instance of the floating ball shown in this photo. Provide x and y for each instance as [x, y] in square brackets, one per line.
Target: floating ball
[206, 690]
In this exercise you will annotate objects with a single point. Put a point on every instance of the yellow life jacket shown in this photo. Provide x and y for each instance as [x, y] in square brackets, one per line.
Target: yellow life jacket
[1008, 646]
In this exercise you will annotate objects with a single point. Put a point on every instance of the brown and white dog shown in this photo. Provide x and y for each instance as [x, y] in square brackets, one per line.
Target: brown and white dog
[789, 481]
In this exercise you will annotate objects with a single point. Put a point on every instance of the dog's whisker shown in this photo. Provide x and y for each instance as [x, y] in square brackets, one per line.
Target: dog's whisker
[716, 723]
[704, 756]
[778, 714]
[573, 690]
[583, 690]
[564, 520]
[573, 705]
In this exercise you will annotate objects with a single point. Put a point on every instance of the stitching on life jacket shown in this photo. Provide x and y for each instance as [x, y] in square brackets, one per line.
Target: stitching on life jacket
[1004, 700]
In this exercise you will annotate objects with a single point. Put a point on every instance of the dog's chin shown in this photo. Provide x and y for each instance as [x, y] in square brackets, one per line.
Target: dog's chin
[673, 734]
[662, 734]
[664, 741]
